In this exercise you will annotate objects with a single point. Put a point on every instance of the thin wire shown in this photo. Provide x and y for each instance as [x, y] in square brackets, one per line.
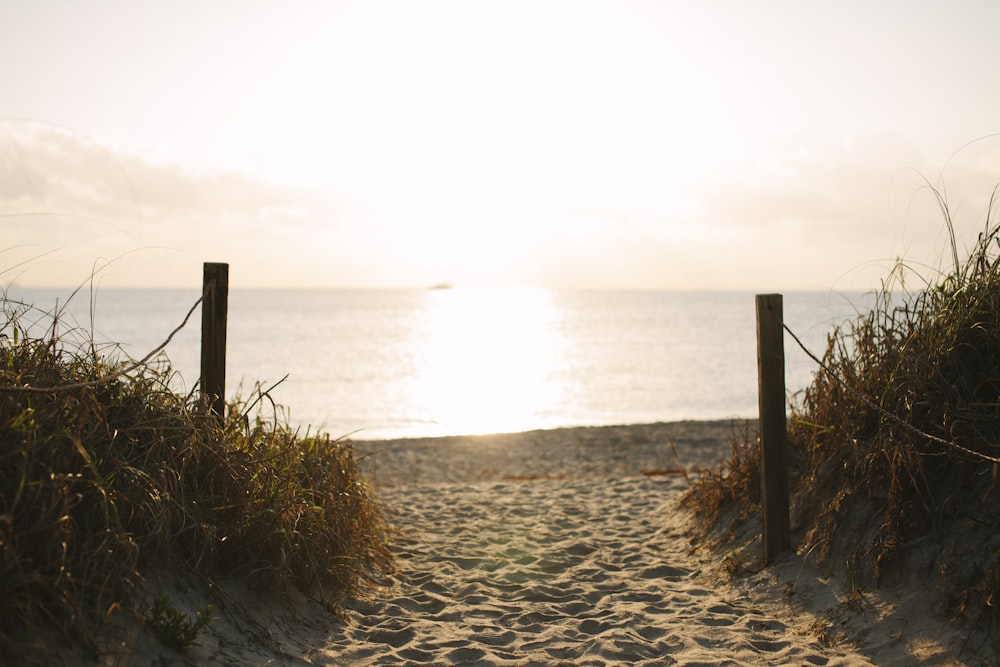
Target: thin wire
[114, 376]
[888, 415]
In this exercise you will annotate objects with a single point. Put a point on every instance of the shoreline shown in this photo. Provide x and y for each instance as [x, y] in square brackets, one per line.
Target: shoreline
[625, 450]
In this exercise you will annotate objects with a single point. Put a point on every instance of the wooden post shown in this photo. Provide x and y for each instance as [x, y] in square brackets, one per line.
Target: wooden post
[773, 429]
[214, 310]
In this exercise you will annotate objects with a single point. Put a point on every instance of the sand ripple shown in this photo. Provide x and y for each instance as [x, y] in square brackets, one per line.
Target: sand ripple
[584, 572]
[559, 547]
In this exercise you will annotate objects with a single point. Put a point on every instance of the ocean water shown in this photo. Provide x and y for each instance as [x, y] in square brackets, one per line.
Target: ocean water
[400, 363]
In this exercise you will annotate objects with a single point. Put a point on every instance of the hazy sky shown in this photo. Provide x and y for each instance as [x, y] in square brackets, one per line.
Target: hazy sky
[719, 144]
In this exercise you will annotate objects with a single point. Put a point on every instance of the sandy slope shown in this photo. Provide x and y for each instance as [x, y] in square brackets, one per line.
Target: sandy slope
[564, 547]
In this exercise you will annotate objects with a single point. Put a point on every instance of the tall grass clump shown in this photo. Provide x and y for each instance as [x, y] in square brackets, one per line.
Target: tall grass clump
[900, 435]
[106, 475]
[896, 443]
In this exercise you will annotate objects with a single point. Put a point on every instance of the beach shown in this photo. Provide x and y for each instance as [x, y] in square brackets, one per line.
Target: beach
[567, 546]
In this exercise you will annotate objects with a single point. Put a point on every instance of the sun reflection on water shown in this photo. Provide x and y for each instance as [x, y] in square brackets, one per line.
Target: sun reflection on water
[488, 359]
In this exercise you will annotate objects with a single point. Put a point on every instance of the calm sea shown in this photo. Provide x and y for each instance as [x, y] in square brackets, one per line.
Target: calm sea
[394, 363]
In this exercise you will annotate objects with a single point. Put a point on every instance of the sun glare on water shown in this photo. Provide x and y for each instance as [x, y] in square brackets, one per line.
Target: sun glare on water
[488, 359]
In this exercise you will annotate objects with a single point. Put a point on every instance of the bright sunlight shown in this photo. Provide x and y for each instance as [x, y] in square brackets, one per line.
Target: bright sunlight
[488, 359]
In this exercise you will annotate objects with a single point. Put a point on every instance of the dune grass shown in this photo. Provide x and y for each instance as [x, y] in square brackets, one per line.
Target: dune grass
[106, 476]
[896, 443]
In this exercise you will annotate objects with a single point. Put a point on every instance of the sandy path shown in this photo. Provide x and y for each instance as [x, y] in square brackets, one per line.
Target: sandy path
[553, 547]
[557, 572]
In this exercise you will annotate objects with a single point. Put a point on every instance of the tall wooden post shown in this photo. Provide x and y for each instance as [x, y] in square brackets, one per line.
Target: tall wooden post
[214, 311]
[773, 428]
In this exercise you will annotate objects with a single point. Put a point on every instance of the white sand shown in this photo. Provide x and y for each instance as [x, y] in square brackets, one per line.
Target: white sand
[558, 547]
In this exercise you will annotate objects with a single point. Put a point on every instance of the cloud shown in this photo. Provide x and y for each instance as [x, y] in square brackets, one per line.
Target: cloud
[51, 167]
[804, 215]
[801, 214]
[63, 191]
[829, 210]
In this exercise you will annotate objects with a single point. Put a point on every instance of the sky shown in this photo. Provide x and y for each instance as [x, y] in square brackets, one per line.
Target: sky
[776, 145]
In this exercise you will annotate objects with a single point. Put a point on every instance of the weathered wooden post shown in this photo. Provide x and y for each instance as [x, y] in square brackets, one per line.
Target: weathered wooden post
[214, 311]
[773, 428]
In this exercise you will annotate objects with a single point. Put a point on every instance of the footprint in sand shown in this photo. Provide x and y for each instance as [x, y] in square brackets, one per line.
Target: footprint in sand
[488, 578]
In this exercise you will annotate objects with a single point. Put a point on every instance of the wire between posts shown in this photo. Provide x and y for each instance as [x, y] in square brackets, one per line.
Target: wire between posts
[114, 376]
[885, 413]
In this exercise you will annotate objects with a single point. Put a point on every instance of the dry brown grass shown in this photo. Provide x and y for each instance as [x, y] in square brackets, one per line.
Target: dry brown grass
[733, 488]
[896, 443]
[102, 482]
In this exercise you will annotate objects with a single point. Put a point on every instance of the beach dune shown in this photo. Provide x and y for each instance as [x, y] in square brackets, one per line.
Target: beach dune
[568, 546]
